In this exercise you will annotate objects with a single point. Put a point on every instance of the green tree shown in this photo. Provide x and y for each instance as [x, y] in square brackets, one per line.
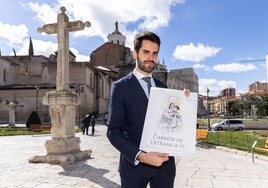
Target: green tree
[234, 107]
[262, 106]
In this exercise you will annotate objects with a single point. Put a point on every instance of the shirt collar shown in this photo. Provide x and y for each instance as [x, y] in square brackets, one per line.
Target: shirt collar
[140, 75]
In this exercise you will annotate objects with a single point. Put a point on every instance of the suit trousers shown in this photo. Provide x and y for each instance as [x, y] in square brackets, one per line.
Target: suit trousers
[158, 181]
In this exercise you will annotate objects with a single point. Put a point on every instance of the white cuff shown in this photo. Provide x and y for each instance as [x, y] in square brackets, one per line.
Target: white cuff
[136, 162]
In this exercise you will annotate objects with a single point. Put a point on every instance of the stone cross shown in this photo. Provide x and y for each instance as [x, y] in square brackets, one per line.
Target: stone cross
[62, 28]
[64, 146]
[10, 106]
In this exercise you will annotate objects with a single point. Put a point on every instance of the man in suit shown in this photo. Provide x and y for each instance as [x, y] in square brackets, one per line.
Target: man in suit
[127, 110]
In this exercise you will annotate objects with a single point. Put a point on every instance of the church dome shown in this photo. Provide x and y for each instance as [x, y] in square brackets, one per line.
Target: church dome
[117, 37]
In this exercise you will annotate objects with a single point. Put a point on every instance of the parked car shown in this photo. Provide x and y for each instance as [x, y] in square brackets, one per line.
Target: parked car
[235, 124]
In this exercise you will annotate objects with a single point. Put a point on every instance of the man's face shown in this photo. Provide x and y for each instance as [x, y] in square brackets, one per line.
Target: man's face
[146, 57]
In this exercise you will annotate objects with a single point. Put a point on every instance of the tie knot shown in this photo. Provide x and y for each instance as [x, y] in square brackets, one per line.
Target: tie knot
[147, 79]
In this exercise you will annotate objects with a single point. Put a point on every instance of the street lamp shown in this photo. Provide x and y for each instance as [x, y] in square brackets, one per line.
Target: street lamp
[208, 110]
[227, 109]
[79, 90]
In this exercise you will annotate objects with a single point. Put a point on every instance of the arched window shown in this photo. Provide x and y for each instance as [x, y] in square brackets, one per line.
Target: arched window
[107, 59]
[26, 69]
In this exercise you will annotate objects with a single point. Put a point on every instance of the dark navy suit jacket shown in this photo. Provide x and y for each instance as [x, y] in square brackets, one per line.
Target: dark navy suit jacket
[127, 110]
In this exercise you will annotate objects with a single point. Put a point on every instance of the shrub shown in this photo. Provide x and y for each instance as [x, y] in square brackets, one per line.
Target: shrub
[33, 119]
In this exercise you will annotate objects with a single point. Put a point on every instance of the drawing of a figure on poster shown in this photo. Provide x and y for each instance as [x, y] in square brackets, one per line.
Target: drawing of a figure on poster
[171, 117]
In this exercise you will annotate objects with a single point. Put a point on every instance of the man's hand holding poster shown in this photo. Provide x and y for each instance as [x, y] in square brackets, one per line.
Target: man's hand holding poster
[170, 123]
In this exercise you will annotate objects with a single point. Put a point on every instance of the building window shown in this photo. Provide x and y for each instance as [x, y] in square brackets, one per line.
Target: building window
[26, 69]
[5, 76]
[107, 59]
[102, 88]
[91, 79]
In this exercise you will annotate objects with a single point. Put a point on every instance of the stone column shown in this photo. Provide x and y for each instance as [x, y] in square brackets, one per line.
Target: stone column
[11, 111]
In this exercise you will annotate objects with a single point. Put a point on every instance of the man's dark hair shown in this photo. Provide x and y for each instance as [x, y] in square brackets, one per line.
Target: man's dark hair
[145, 36]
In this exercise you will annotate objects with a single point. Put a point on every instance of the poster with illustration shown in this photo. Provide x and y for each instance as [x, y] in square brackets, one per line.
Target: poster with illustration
[170, 123]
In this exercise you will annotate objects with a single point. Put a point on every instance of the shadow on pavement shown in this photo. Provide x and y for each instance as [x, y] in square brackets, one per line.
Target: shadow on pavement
[83, 170]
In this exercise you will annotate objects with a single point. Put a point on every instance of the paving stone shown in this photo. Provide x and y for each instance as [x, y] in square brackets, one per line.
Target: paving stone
[210, 167]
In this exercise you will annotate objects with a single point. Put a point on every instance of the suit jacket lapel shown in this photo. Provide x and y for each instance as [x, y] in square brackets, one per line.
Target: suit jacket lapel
[158, 83]
[136, 87]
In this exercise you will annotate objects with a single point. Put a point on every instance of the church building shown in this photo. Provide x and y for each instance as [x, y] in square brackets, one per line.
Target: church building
[25, 79]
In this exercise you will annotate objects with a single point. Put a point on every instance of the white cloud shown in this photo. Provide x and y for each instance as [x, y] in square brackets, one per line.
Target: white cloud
[79, 57]
[44, 13]
[201, 66]
[234, 67]
[40, 47]
[194, 53]
[132, 16]
[146, 15]
[13, 34]
[47, 48]
[215, 86]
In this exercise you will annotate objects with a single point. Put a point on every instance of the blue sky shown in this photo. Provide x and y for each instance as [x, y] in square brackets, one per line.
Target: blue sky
[221, 40]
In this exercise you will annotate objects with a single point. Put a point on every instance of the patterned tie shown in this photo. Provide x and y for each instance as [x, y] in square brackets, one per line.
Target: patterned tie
[149, 85]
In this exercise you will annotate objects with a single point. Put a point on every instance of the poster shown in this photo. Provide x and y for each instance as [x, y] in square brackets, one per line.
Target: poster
[170, 123]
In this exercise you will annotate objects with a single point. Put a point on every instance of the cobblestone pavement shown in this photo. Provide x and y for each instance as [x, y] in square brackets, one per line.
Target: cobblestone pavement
[209, 168]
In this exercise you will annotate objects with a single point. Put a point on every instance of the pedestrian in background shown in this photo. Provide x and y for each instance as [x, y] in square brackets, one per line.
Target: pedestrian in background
[86, 121]
[92, 123]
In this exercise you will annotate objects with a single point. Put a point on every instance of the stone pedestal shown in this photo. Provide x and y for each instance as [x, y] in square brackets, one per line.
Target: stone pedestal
[64, 148]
